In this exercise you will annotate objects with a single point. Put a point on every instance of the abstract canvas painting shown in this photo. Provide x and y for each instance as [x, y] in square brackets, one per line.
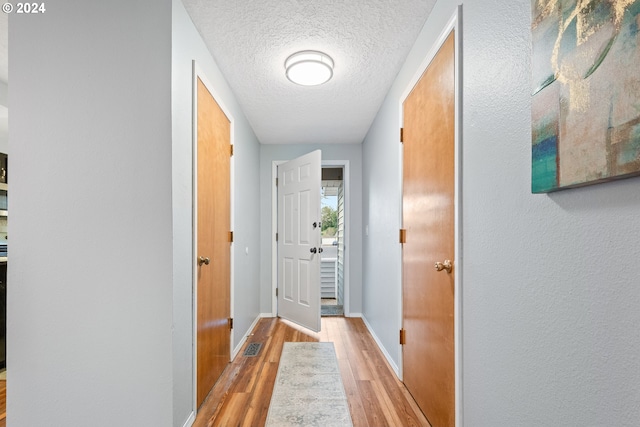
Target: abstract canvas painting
[586, 92]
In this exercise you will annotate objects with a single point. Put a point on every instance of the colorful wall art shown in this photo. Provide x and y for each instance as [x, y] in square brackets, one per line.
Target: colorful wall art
[586, 92]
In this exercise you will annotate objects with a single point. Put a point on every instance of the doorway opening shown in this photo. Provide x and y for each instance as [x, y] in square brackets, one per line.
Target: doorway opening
[332, 260]
[341, 238]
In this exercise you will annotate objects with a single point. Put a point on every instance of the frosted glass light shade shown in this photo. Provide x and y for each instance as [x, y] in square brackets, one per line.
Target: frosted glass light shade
[309, 68]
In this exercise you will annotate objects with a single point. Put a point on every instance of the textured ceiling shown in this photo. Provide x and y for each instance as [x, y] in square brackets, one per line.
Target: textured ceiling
[368, 40]
[250, 40]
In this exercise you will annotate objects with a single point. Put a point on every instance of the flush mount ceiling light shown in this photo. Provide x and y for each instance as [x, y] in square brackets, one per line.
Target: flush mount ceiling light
[309, 68]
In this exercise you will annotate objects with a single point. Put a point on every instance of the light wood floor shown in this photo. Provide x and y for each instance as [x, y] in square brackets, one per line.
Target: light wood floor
[3, 403]
[376, 397]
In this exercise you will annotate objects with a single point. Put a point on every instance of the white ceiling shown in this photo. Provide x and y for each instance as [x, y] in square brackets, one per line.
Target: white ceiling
[250, 40]
[368, 39]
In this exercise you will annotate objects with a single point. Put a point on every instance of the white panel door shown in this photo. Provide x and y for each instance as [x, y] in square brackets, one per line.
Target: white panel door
[299, 242]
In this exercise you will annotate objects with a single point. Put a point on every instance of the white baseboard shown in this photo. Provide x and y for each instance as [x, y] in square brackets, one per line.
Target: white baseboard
[386, 354]
[244, 337]
[353, 315]
[190, 420]
[268, 315]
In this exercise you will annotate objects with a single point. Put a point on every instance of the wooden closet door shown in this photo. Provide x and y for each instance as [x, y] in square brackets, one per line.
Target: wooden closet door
[428, 218]
[213, 252]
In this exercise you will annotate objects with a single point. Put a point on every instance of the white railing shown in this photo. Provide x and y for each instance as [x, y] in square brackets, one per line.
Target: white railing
[328, 277]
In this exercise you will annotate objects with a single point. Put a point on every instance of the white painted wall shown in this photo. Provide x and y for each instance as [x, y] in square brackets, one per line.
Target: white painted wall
[550, 292]
[4, 86]
[188, 46]
[351, 152]
[4, 117]
[90, 275]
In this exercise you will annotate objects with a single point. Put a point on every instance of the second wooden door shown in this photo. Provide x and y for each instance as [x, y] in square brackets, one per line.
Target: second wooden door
[428, 218]
[213, 255]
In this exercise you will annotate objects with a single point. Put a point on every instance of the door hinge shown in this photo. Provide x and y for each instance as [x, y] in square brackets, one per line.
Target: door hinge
[276, 182]
[232, 149]
[403, 235]
[276, 237]
[403, 337]
[401, 134]
[276, 291]
[230, 322]
[231, 236]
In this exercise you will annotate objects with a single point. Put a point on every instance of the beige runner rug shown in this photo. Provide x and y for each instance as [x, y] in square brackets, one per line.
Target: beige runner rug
[308, 389]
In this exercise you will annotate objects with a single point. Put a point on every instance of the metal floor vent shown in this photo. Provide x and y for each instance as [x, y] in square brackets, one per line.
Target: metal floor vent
[253, 349]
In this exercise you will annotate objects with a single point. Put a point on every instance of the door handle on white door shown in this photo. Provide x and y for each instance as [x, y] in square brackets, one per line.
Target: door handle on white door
[313, 250]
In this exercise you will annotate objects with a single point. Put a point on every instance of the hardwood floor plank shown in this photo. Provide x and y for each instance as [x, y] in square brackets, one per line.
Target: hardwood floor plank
[3, 403]
[402, 401]
[234, 406]
[354, 347]
[358, 414]
[376, 397]
[259, 405]
[375, 416]
[386, 405]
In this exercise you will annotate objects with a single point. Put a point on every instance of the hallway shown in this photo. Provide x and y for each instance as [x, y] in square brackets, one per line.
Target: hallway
[102, 140]
[376, 397]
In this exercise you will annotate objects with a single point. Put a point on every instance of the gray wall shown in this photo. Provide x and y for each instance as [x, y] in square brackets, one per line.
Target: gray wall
[104, 181]
[352, 153]
[550, 292]
[4, 117]
[187, 46]
[90, 276]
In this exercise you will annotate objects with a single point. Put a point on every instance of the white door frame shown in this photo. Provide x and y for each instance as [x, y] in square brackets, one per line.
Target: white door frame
[454, 24]
[198, 73]
[274, 229]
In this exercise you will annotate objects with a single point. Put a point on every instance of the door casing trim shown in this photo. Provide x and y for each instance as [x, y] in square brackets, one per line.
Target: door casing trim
[198, 73]
[454, 24]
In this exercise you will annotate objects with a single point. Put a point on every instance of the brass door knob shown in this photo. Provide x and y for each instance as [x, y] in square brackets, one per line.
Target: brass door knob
[445, 265]
[203, 260]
